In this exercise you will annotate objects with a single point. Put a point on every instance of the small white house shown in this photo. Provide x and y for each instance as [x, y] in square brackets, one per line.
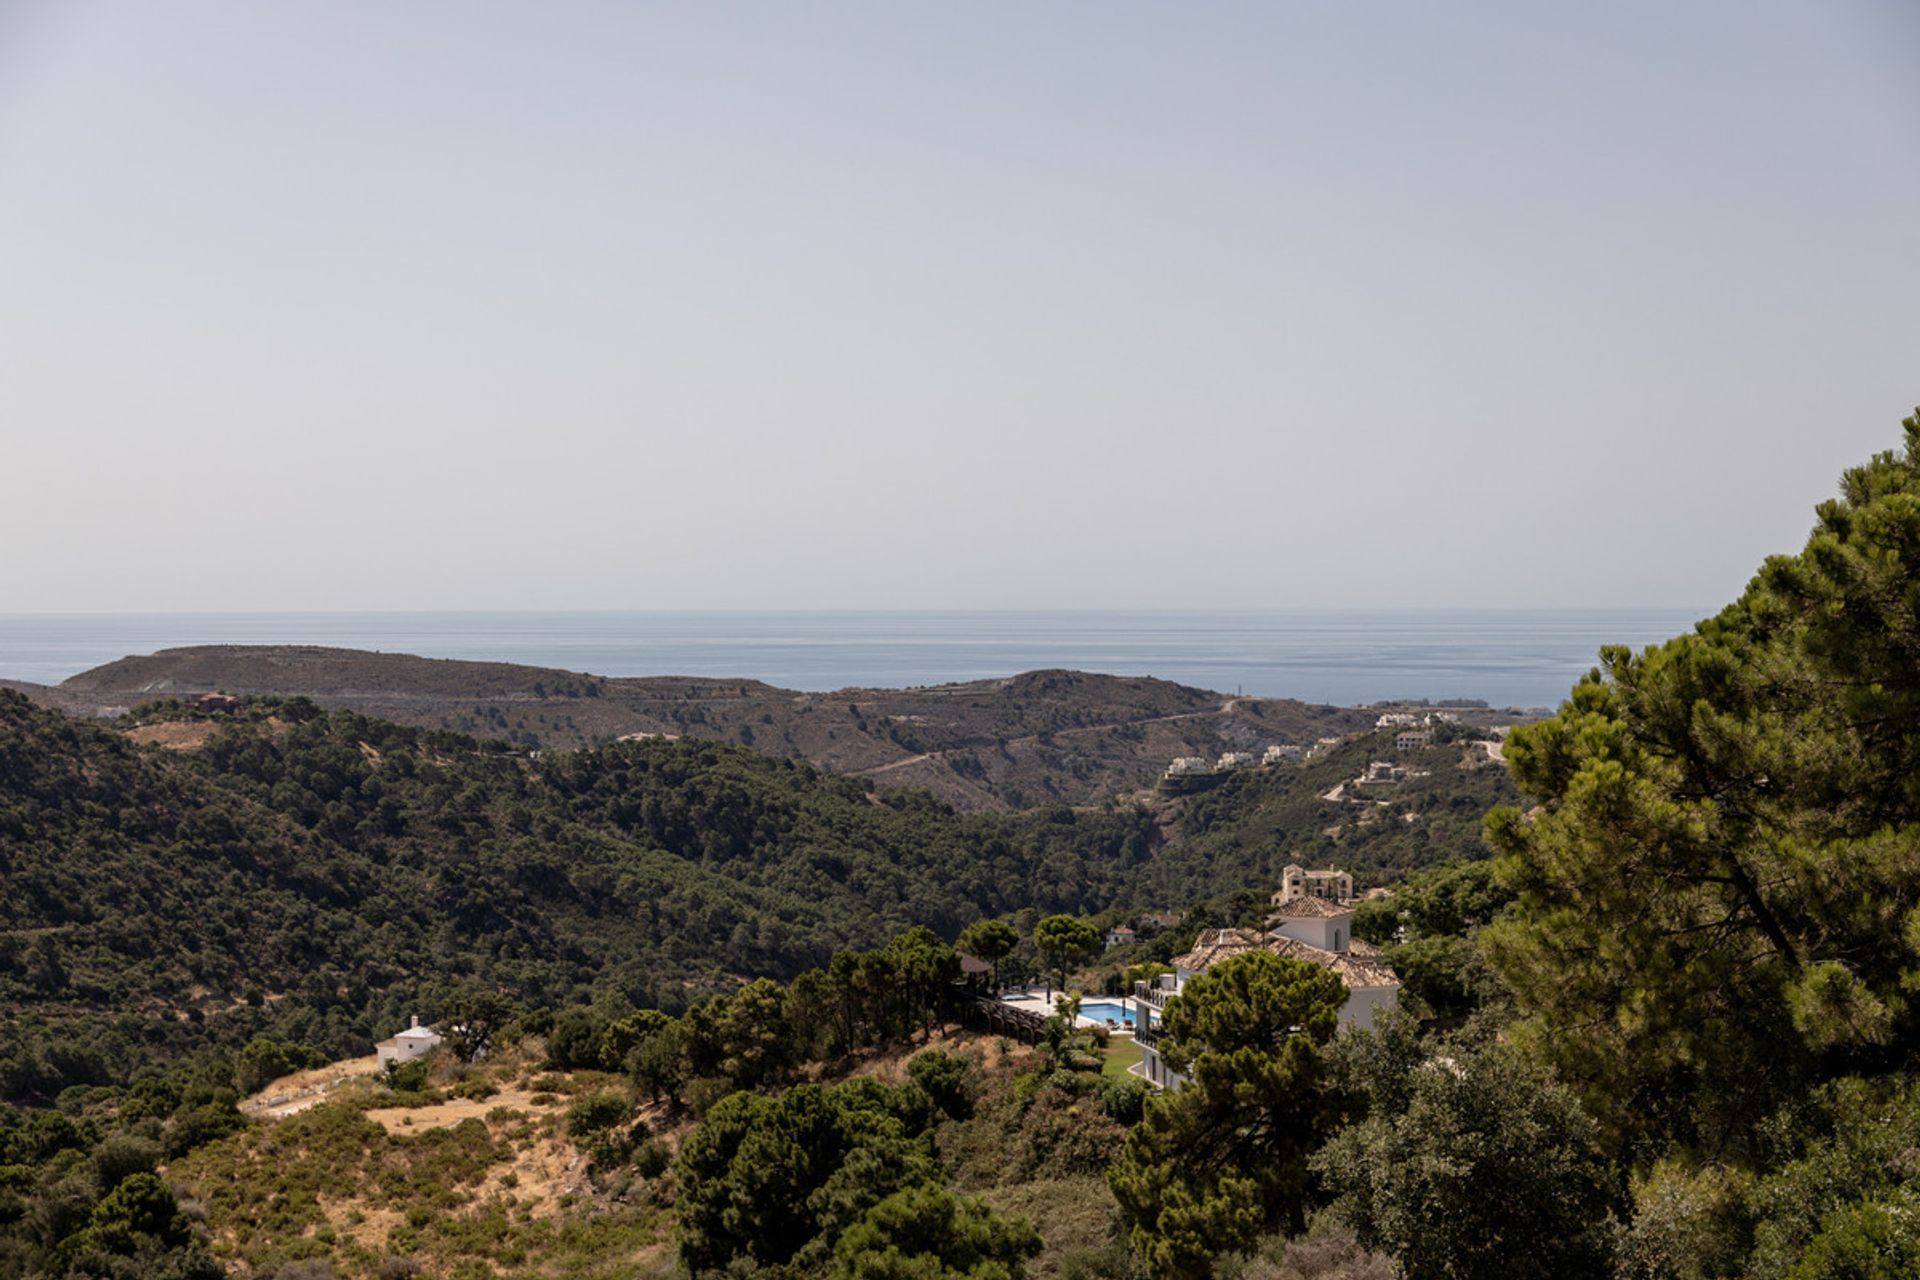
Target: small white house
[1185, 766]
[1119, 936]
[415, 1042]
[1279, 751]
[1236, 760]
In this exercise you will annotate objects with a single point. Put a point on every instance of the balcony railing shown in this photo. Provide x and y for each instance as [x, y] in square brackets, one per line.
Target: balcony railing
[1149, 994]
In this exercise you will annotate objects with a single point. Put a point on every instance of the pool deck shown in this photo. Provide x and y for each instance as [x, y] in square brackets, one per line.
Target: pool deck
[1036, 999]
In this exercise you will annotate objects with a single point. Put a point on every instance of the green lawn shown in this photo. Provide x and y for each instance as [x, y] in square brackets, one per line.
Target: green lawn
[1121, 1054]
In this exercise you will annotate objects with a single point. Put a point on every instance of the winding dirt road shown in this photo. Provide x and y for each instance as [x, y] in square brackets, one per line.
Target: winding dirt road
[1225, 708]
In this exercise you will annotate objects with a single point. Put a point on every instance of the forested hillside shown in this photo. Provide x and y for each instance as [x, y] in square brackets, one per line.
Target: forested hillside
[1261, 819]
[316, 872]
[1038, 738]
[1669, 1033]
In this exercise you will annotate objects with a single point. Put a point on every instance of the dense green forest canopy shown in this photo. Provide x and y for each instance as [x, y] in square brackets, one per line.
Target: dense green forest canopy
[317, 875]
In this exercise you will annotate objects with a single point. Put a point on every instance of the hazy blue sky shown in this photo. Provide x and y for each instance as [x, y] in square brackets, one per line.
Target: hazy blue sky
[616, 306]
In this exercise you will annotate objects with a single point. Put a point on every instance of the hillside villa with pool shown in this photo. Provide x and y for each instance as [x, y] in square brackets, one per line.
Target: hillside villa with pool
[1305, 926]
[1311, 920]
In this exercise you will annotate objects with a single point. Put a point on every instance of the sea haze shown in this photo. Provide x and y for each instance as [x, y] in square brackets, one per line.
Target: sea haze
[1517, 657]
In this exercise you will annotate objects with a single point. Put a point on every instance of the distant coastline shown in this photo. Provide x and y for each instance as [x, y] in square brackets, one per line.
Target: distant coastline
[1508, 657]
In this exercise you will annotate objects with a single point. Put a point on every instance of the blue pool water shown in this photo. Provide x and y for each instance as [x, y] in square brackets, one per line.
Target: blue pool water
[1105, 1010]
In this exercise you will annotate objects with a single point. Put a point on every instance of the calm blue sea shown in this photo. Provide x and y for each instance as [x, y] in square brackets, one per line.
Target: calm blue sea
[1517, 657]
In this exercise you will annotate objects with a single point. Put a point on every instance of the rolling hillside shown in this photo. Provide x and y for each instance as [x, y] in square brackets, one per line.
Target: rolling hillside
[314, 872]
[194, 880]
[1040, 738]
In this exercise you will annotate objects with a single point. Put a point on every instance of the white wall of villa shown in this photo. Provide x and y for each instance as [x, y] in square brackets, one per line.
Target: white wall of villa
[1331, 934]
[1364, 1002]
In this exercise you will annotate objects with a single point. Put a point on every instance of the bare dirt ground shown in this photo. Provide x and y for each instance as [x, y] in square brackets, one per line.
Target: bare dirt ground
[176, 735]
[540, 1175]
[191, 735]
[366, 1225]
[443, 1115]
[295, 1093]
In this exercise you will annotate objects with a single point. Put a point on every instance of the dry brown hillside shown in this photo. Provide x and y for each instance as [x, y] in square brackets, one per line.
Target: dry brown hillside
[1038, 738]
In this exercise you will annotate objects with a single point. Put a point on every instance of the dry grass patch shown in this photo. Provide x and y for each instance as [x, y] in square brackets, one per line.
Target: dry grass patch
[174, 735]
[1074, 1217]
[441, 1115]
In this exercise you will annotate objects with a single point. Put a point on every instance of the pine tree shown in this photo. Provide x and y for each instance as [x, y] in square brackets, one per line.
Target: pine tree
[1719, 891]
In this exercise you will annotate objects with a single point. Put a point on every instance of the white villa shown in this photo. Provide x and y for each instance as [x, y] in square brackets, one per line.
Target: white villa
[1307, 927]
[1192, 766]
[1380, 773]
[1295, 882]
[415, 1042]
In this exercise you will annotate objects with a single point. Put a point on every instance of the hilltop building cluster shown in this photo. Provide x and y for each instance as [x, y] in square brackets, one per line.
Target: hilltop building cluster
[1187, 767]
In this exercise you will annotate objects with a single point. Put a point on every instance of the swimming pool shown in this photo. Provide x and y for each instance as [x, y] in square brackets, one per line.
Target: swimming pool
[1104, 1011]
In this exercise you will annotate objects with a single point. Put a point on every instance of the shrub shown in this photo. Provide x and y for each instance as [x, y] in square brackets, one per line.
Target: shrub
[1125, 1100]
[652, 1158]
[944, 1078]
[575, 1039]
[121, 1156]
[407, 1077]
[703, 1093]
[307, 1269]
[596, 1114]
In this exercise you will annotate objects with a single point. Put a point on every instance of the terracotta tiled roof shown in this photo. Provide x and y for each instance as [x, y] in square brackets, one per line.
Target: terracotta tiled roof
[1352, 968]
[1355, 971]
[1361, 947]
[1215, 945]
[1310, 908]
